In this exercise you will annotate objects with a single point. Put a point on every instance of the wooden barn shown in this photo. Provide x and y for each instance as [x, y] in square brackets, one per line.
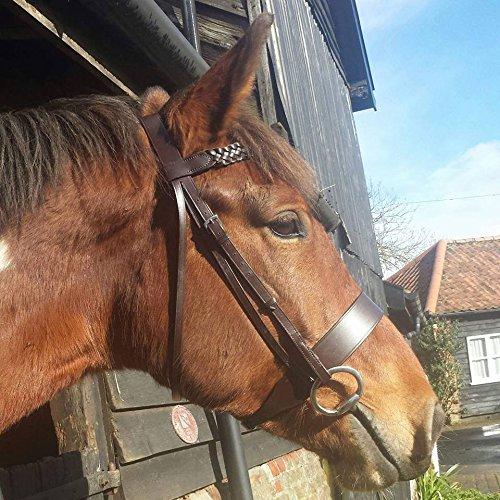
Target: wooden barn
[114, 434]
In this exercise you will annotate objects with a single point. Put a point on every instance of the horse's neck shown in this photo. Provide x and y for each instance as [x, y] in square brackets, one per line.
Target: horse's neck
[50, 327]
[28, 380]
[40, 353]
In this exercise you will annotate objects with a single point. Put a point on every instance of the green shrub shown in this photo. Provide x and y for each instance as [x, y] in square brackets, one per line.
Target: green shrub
[430, 486]
[438, 344]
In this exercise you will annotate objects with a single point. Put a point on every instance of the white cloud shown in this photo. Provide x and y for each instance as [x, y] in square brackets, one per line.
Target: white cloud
[379, 14]
[475, 172]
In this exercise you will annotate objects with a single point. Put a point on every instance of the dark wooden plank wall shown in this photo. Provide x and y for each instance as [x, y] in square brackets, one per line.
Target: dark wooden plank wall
[483, 398]
[317, 105]
[220, 23]
[30, 479]
[154, 462]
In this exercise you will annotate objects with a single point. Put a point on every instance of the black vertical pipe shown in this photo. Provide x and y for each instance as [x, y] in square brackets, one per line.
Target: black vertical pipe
[190, 24]
[234, 457]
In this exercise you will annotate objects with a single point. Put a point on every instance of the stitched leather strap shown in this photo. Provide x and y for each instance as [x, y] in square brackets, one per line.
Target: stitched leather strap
[176, 343]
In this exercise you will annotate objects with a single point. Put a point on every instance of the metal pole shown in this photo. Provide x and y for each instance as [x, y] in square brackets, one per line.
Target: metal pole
[190, 24]
[234, 457]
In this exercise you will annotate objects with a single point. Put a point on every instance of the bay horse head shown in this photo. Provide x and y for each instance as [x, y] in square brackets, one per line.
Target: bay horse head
[88, 263]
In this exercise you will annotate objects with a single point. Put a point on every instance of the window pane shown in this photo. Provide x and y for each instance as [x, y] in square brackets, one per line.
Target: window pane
[495, 342]
[479, 369]
[496, 367]
[477, 348]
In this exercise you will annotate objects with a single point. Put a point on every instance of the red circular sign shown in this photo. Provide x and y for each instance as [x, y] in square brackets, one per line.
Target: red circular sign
[185, 425]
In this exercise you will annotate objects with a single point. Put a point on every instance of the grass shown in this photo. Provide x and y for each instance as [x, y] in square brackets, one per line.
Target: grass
[431, 486]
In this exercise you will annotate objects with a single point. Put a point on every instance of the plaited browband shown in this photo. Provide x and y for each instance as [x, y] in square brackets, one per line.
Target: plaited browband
[306, 369]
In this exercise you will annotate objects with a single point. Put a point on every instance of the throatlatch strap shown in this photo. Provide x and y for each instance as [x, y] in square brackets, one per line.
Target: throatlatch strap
[181, 283]
[167, 154]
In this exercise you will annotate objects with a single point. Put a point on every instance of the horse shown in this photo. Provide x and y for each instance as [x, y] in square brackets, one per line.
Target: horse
[88, 262]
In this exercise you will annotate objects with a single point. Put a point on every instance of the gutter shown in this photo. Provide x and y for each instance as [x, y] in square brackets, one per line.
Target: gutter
[144, 23]
[473, 313]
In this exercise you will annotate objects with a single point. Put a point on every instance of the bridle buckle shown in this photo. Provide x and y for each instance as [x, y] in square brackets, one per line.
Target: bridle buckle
[348, 404]
[210, 220]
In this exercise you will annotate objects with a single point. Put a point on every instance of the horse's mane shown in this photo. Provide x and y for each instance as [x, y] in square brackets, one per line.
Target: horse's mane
[37, 144]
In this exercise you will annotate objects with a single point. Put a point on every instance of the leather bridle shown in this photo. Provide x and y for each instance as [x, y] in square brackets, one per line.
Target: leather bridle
[306, 369]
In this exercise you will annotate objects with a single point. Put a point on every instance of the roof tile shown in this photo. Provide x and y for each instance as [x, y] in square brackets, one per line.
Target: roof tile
[470, 280]
[471, 276]
[416, 275]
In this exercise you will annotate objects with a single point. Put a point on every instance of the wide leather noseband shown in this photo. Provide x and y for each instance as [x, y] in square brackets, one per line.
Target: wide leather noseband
[305, 368]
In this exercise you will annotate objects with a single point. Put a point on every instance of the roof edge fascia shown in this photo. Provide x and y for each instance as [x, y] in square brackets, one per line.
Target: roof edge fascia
[436, 277]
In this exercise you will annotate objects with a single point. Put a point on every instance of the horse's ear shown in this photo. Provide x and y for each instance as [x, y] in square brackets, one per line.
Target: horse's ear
[153, 100]
[207, 109]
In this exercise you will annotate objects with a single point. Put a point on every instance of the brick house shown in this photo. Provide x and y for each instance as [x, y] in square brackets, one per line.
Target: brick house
[458, 279]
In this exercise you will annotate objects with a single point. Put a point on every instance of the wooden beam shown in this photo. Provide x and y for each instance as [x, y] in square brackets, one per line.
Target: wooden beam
[46, 27]
[78, 418]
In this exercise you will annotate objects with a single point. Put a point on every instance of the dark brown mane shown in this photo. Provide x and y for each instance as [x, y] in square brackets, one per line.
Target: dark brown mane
[37, 144]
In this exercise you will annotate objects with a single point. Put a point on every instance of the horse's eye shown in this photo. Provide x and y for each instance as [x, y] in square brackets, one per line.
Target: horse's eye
[287, 225]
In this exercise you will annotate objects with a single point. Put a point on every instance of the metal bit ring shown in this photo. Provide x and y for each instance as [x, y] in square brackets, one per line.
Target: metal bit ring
[348, 404]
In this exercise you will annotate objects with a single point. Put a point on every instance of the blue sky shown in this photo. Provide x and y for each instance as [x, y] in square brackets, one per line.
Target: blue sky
[436, 134]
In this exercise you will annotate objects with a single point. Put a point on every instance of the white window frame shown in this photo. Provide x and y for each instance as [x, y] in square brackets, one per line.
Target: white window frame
[489, 357]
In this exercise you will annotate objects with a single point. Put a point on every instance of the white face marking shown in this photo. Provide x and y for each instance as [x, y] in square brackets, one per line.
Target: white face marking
[4, 256]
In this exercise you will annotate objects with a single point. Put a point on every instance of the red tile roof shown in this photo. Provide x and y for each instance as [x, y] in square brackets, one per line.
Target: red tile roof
[416, 275]
[465, 275]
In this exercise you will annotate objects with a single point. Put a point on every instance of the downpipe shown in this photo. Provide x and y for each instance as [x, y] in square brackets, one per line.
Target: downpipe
[234, 457]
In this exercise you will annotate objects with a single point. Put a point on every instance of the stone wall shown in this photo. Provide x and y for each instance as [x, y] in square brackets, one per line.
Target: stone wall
[295, 476]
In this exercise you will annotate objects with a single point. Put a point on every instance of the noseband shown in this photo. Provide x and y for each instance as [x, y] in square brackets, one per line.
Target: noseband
[306, 369]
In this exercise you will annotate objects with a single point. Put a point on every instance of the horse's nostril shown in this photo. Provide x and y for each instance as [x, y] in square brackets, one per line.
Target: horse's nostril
[437, 422]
